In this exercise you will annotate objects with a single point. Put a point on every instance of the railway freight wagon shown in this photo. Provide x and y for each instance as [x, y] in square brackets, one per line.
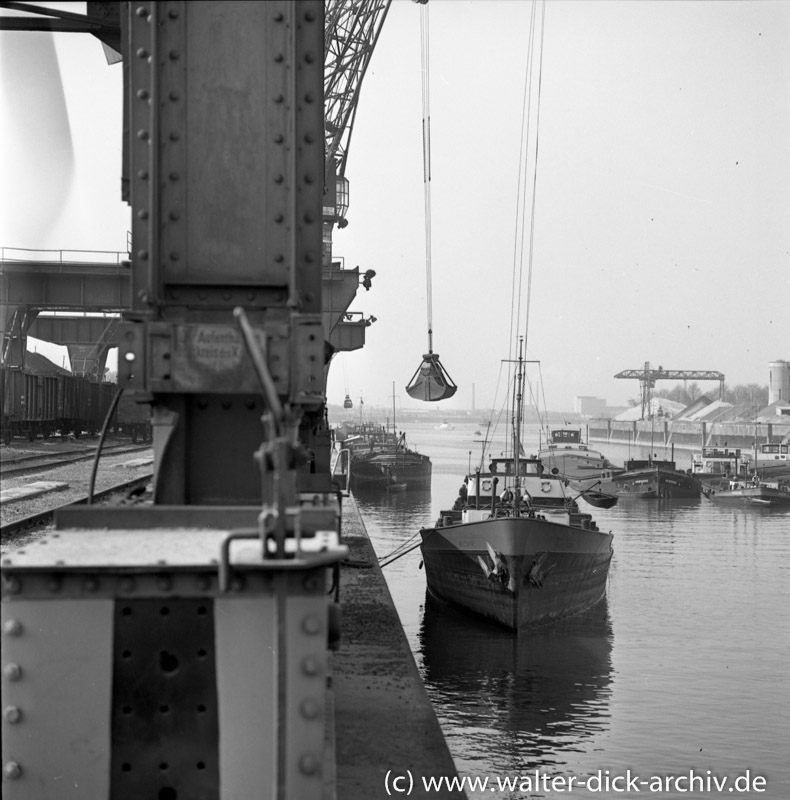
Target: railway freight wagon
[30, 404]
[42, 399]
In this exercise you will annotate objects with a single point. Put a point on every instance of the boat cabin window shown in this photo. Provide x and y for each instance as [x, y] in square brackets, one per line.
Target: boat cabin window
[505, 466]
[566, 437]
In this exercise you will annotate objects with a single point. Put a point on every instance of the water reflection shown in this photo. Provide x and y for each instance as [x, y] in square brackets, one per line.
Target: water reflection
[538, 694]
[414, 502]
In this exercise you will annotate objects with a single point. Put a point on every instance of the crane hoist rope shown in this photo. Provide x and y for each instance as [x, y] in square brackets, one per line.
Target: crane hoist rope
[430, 382]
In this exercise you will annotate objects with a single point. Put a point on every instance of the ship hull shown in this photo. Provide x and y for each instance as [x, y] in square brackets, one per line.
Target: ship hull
[384, 470]
[752, 496]
[653, 483]
[545, 571]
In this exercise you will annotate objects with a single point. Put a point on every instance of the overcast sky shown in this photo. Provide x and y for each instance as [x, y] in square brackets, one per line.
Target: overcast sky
[663, 189]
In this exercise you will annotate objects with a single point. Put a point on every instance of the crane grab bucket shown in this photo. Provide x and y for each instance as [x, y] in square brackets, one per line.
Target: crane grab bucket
[431, 382]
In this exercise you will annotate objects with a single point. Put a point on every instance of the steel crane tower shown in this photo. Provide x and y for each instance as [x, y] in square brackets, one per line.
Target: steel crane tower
[351, 31]
[647, 378]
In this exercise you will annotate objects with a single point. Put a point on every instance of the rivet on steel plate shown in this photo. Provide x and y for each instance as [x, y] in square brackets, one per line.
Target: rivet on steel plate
[127, 584]
[12, 584]
[311, 625]
[311, 665]
[142, 214]
[12, 770]
[173, 13]
[279, 58]
[310, 583]
[55, 583]
[203, 583]
[91, 584]
[279, 138]
[175, 215]
[308, 764]
[279, 258]
[12, 714]
[12, 671]
[174, 136]
[237, 584]
[164, 583]
[142, 53]
[143, 94]
[174, 176]
[143, 134]
[310, 709]
[174, 256]
[278, 178]
[174, 95]
[142, 11]
[278, 218]
[143, 174]
[279, 98]
[174, 55]
[142, 255]
[12, 627]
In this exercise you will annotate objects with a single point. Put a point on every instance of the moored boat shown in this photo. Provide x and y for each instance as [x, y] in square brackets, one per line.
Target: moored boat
[752, 492]
[648, 479]
[515, 548]
[395, 466]
[716, 466]
[377, 458]
[567, 452]
[772, 460]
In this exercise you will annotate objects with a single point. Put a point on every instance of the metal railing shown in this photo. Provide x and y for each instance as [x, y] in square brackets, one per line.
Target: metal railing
[22, 254]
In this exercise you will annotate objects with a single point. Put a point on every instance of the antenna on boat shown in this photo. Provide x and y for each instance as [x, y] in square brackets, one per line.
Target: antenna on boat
[430, 382]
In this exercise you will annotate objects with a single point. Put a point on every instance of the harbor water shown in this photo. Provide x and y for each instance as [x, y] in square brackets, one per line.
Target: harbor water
[682, 672]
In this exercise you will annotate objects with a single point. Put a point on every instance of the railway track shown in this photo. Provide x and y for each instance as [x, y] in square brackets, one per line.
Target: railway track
[52, 480]
[40, 520]
[40, 462]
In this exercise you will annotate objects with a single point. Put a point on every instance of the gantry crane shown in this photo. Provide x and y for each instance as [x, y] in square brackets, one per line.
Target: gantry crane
[647, 378]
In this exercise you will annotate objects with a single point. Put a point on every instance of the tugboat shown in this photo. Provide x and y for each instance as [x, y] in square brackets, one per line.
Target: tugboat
[515, 547]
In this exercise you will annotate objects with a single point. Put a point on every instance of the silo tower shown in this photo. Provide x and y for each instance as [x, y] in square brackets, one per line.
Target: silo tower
[779, 382]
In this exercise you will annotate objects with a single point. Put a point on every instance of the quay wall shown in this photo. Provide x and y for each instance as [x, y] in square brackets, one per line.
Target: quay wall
[684, 434]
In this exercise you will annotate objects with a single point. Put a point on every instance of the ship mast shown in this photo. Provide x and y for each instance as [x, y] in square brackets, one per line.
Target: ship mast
[517, 426]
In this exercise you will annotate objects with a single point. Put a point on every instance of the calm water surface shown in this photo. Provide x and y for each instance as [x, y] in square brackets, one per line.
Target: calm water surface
[685, 666]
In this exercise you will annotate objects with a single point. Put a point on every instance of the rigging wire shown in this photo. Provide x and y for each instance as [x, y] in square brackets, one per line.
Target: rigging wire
[524, 235]
[430, 382]
[534, 178]
[425, 62]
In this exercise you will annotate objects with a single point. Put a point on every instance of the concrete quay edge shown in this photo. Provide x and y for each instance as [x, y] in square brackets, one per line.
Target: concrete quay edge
[384, 721]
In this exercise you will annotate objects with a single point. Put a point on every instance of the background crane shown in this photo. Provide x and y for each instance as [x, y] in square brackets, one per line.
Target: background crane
[351, 31]
[647, 378]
